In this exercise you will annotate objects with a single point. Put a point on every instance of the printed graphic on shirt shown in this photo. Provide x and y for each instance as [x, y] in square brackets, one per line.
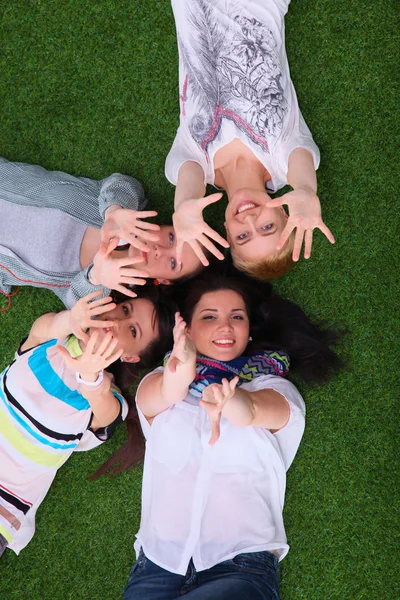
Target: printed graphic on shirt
[232, 72]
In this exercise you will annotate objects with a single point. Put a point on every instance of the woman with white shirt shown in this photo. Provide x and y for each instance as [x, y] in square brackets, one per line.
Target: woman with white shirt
[241, 130]
[222, 426]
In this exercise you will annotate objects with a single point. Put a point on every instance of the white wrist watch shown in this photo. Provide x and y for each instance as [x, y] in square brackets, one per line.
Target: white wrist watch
[97, 383]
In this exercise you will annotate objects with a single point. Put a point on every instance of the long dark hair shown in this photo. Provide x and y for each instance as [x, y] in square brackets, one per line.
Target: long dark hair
[275, 323]
[125, 374]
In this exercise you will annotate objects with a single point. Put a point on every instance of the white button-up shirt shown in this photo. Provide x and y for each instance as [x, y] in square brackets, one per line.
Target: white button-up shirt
[211, 503]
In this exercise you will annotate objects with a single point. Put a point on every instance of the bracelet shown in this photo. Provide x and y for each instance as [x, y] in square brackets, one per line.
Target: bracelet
[92, 384]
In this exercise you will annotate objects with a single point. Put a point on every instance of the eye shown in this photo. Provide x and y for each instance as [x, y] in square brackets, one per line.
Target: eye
[171, 238]
[238, 317]
[125, 310]
[242, 236]
[133, 330]
[267, 227]
[173, 264]
[208, 317]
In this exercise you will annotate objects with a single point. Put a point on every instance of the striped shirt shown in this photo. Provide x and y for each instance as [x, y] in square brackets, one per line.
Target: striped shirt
[43, 419]
[81, 198]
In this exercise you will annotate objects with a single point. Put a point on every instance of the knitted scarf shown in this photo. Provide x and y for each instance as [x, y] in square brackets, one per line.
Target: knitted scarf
[247, 368]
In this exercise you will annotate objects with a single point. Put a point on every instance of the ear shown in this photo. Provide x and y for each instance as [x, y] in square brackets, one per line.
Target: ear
[164, 281]
[132, 359]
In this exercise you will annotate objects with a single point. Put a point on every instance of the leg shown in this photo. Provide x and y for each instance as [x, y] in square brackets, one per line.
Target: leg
[252, 576]
[148, 581]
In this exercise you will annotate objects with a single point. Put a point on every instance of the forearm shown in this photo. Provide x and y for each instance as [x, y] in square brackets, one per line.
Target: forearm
[190, 184]
[47, 327]
[160, 391]
[105, 406]
[175, 386]
[239, 410]
[86, 282]
[301, 171]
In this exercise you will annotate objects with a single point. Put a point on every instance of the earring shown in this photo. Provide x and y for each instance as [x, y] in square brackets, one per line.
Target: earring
[121, 359]
[250, 338]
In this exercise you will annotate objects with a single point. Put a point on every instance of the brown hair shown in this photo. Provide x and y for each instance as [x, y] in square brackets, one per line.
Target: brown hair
[125, 374]
[271, 267]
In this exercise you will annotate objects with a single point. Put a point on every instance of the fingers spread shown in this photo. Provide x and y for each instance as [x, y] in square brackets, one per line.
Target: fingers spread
[129, 272]
[276, 202]
[210, 199]
[308, 243]
[99, 324]
[125, 290]
[216, 236]
[284, 236]
[199, 252]
[298, 242]
[69, 361]
[210, 247]
[327, 232]
[100, 310]
[145, 214]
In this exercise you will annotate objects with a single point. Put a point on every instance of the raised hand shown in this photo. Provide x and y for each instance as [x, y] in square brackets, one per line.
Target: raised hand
[190, 227]
[184, 351]
[304, 216]
[114, 272]
[97, 355]
[82, 313]
[128, 225]
[215, 396]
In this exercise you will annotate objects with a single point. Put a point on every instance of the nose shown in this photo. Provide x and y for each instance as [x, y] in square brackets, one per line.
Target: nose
[225, 325]
[158, 251]
[250, 220]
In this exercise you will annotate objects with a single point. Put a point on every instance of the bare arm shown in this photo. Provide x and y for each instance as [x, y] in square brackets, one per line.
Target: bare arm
[105, 406]
[47, 327]
[301, 171]
[303, 204]
[77, 320]
[162, 390]
[264, 408]
[188, 221]
[190, 184]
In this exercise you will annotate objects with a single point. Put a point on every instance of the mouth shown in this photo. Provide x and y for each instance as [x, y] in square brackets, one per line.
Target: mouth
[145, 256]
[243, 206]
[224, 343]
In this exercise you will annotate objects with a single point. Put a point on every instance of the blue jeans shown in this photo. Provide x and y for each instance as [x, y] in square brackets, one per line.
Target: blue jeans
[251, 576]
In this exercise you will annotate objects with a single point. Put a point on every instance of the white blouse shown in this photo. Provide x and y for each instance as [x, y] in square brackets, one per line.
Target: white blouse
[211, 503]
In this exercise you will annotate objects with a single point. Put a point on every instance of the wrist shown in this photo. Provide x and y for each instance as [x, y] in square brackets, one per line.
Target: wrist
[111, 209]
[310, 190]
[92, 275]
[90, 379]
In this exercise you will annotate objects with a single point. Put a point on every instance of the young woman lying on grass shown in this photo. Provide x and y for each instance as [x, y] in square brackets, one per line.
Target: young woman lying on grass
[56, 397]
[55, 232]
[222, 426]
[241, 130]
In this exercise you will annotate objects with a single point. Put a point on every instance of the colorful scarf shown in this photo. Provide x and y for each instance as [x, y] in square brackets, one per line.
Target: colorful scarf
[247, 368]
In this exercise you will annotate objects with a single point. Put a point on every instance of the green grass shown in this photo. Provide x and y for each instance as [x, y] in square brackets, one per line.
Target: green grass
[91, 88]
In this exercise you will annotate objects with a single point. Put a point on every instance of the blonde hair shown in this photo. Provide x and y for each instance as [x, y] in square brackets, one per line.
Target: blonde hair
[273, 266]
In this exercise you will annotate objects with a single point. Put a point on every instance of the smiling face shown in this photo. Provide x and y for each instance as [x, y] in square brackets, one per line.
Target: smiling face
[160, 261]
[220, 325]
[135, 327]
[253, 229]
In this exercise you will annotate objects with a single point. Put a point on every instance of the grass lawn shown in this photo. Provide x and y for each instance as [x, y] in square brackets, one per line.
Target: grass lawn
[91, 88]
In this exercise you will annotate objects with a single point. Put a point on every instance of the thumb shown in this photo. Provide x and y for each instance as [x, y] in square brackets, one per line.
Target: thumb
[215, 430]
[69, 361]
[276, 202]
[210, 199]
[172, 364]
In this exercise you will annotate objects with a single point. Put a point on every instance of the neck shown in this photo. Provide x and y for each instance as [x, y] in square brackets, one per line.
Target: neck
[243, 173]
